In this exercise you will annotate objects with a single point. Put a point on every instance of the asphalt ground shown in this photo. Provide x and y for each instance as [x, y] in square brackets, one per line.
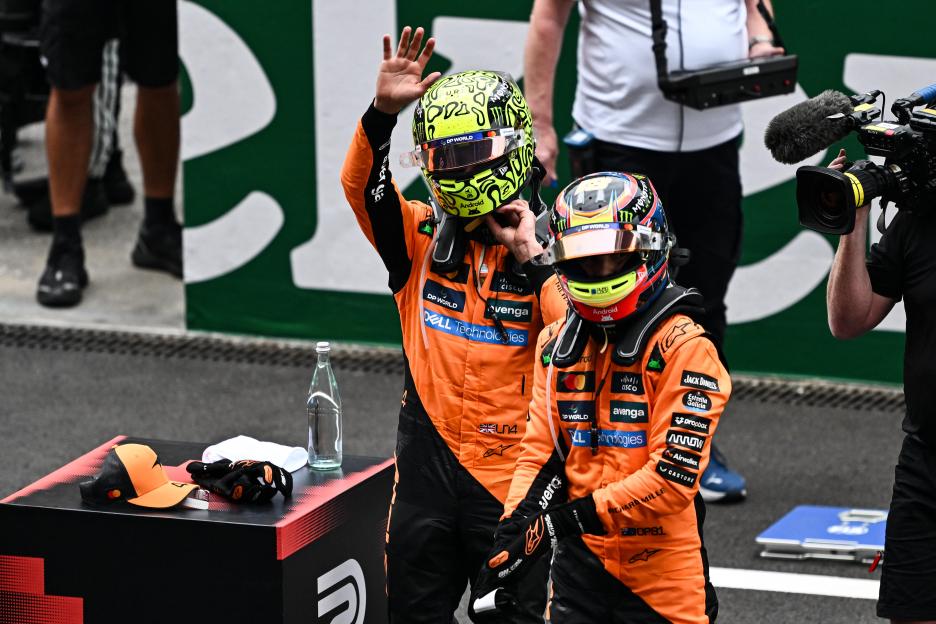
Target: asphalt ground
[55, 405]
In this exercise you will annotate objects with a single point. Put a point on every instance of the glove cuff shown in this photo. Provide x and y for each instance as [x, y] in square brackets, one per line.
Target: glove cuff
[586, 515]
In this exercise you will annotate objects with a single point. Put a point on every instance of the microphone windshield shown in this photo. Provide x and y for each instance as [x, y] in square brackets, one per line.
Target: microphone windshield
[803, 130]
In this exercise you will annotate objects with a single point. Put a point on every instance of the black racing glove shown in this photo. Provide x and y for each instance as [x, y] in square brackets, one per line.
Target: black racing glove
[514, 552]
[245, 481]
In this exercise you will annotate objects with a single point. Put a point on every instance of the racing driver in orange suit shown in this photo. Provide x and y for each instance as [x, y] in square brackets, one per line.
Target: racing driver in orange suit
[626, 397]
[470, 305]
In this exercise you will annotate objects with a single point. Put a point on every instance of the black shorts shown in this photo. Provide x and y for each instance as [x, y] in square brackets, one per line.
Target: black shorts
[908, 578]
[73, 33]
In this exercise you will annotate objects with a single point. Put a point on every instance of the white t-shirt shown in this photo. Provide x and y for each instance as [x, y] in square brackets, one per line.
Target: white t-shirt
[617, 98]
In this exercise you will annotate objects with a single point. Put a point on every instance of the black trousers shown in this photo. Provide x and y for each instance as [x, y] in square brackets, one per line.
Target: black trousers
[701, 194]
[442, 523]
[908, 578]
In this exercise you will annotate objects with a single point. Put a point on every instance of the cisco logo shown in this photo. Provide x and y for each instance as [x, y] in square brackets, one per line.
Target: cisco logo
[342, 587]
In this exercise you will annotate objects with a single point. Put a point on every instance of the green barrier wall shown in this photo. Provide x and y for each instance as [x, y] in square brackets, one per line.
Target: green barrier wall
[272, 98]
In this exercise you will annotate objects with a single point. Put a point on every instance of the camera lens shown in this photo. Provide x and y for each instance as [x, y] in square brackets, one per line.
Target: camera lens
[825, 199]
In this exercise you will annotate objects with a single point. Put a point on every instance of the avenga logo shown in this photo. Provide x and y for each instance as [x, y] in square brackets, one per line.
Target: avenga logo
[347, 583]
[554, 484]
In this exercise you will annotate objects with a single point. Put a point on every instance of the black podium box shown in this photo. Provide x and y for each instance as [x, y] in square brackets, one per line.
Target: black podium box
[316, 558]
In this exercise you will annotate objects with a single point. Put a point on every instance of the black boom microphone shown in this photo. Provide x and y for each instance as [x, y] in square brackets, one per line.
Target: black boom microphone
[805, 129]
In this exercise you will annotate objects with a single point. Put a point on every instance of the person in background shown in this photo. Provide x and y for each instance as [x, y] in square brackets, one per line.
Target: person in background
[862, 290]
[691, 155]
[73, 34]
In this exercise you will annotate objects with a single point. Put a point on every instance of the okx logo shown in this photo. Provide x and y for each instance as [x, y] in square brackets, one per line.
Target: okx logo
[342, 586]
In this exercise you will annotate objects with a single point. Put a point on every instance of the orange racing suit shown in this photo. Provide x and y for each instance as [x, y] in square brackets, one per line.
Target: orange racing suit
[637, 437]
[468, 340]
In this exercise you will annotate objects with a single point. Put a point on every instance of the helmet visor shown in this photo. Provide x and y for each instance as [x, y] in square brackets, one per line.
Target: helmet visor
[464, 150]
[601, 238]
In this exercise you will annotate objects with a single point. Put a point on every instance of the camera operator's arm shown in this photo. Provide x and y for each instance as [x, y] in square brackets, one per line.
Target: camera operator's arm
[540, 55]
[760, 39]
[853, 307]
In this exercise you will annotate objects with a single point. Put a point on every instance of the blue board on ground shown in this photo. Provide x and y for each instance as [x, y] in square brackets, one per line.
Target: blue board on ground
[818, 532]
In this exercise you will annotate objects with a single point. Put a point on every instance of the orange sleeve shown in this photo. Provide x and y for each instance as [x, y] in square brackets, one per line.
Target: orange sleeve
[386, 218]
[539, 476]
[683, 419]
[553, 304]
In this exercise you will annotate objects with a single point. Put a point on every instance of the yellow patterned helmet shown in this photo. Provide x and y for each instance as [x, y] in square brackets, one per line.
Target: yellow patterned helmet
[474, 141]
[606, 214]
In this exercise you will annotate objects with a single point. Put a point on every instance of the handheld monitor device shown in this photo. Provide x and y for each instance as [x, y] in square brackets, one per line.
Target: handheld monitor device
[724, 83]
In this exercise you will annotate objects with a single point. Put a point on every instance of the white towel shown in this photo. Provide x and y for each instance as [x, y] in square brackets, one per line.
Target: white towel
[292, 458]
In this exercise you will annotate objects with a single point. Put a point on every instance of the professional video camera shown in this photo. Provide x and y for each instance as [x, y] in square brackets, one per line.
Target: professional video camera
[827, 198]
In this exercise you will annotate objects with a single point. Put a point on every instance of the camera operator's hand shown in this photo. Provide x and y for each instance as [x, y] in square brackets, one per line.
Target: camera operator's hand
[839, 163]
[515, 228]
[399, 78]
[764, 48]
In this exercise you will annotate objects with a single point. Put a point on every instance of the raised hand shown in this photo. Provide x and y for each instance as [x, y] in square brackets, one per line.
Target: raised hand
[399, 78]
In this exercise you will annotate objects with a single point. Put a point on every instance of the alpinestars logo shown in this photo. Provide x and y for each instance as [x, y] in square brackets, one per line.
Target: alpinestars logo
[347, 581]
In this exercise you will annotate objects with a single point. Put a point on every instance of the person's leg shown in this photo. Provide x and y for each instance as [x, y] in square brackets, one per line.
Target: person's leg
[149, 52]
[69, 137]
[156, 131]
[908, 576]
[424, 580]
[706, 209]
[72, 34]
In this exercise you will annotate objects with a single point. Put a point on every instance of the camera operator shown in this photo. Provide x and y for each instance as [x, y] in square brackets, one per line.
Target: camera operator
[860, 294]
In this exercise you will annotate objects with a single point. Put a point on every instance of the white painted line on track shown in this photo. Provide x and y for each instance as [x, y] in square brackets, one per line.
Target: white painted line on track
[814, 584]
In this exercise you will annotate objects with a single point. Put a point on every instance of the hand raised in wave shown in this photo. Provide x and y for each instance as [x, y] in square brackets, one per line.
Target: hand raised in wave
[399, 78]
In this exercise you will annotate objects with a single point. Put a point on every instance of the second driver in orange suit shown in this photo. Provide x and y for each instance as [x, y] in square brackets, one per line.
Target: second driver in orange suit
[470, 305]
[627, 394]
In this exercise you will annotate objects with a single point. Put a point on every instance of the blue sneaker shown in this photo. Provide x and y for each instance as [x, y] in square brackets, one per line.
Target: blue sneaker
[720, 484]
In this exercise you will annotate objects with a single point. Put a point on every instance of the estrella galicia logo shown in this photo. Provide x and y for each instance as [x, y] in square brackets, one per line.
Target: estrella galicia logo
[685, 440]
[697, 401]
[576, 382]
[517, 311]
[606, 437]
[445, 297]
[676, 475]
[627, 383]
[629, 412]
[347, 583]
[699, 381]
[699, 424]
[502, 283]
[575, 411]
[683, 458]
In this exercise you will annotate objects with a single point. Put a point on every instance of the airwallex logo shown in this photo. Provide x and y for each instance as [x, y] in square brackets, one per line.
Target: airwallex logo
[606, 437]
[475, 333]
